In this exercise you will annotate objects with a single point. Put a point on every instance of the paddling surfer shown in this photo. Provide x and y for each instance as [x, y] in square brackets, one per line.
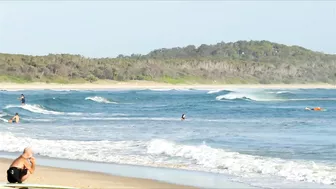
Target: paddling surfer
[314, 109]
[15, 119]
[22, 167]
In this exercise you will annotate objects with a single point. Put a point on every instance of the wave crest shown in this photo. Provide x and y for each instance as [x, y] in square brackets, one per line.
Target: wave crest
[99, 99]
[214, 91]
[39, 109]
[237, 96]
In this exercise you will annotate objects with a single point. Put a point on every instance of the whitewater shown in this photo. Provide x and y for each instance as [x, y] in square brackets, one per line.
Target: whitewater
[262, 138]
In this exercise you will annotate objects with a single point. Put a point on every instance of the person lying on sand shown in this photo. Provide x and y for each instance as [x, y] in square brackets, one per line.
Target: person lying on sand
[314, 109]
[21, 167]
[15, 119]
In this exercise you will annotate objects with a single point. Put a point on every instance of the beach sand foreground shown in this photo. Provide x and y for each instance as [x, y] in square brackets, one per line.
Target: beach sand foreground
[84, 179]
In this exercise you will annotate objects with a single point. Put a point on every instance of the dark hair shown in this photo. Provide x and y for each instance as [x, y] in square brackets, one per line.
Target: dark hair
[22, 95]
[16, 114]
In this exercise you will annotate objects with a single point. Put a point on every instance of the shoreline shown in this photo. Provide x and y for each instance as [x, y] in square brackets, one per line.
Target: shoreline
[154, 85]
[144, 176]
[85, 179]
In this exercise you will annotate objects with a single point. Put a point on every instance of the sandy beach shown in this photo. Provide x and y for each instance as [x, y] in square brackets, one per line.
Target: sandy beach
[152, 85]
[84, 179]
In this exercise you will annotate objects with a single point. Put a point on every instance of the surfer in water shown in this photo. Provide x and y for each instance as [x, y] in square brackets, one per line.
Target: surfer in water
[21, 167]
[314, 109]
[15, 119]
[23, 99]
[183, 117]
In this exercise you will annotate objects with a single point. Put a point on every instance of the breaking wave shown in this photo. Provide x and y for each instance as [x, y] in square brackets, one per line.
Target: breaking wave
[222, 161]
[240, 96]
[40, 109]
[214, 91]
[163, 153]
[100, 100]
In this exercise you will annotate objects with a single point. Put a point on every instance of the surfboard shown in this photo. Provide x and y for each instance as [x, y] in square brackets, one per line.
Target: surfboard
[34, 186]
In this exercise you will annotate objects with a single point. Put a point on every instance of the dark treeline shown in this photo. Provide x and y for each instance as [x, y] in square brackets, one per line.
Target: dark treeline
[239, 62]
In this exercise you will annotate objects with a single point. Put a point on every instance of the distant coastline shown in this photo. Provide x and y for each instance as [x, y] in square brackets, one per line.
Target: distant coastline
[241, 62]
[154, 85]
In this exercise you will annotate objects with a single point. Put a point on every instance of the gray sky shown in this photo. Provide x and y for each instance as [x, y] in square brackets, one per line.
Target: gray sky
[109, 28]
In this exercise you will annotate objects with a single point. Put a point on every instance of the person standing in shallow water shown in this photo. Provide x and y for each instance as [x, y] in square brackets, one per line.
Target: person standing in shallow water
[23, 99]
[183, 117]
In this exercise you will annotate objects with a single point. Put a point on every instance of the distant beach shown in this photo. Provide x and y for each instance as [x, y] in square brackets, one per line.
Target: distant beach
[154, 85]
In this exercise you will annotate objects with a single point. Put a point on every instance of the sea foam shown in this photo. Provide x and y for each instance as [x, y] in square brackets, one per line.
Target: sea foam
[164, 153]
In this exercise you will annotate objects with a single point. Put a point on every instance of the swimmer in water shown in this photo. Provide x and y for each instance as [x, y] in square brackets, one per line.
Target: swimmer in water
[183, 117]
[314, 109]
[15, 119]
[23, 99]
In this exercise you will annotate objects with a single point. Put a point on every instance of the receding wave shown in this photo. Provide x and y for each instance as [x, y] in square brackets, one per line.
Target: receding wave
[99, 99]
[163, 153]
[40, 109]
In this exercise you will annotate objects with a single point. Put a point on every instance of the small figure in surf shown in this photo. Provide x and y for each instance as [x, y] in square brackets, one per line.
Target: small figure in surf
[183, 117]
[22, 167]
[314, 109]
[15, 119]
[23, 99]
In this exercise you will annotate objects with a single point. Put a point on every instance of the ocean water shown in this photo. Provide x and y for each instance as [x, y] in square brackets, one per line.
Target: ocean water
[260, 137]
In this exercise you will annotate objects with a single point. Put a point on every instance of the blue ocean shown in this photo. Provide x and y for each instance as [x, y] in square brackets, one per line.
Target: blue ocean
[260, 137]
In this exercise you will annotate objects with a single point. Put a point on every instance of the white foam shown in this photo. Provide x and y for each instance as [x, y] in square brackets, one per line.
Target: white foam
[163, 153]
[100, 151]
[160, 89]
[255, 95]
[236, 96]
[219, 160]
[4, 120]
[39, 120]
[282, 92]
[99, 99]
[2, 114]
[214, 91]
[39, 109]
[263, 97]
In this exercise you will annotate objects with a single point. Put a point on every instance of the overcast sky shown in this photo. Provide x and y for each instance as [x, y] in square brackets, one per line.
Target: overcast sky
[109, 28]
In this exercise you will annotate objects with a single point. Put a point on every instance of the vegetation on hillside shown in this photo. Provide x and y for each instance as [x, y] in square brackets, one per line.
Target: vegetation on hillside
[240, 62]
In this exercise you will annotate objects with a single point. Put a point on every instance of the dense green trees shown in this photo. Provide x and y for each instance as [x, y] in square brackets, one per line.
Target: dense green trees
[239, 62]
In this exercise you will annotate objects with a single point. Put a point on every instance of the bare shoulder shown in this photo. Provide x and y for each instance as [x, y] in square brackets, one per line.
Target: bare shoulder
[18, 162]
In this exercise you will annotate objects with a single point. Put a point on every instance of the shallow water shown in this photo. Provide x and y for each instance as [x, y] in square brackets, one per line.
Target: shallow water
[259, 137]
